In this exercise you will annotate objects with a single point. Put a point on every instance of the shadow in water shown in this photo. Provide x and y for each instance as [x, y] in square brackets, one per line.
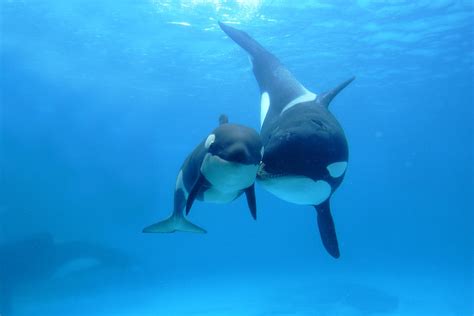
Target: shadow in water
[39, 258]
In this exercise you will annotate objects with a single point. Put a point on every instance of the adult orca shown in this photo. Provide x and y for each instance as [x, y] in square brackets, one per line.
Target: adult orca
[306, 151]
[220, 169]
[38, 257]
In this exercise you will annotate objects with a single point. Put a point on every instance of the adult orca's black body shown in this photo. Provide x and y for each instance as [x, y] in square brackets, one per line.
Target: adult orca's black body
[305, 149]
[219, 170]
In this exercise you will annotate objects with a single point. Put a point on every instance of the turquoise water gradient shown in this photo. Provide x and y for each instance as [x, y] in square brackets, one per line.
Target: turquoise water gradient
[102, 100]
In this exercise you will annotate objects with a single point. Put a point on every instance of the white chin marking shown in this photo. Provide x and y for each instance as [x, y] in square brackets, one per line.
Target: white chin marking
[337, 169]
[227, 176]
[298, 189]
[264, 106]
[215, 196]
[307, 97]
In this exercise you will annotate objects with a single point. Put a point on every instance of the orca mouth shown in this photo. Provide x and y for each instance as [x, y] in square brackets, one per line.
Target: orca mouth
[239, 154]
[263, 174]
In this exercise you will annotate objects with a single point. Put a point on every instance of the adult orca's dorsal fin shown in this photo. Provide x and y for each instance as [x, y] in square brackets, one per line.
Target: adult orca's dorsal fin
[325, 99]
[278, 87]
[223, 119]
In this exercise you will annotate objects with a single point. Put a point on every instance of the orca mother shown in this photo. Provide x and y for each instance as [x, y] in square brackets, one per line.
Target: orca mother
[306, 152]
[220, 169]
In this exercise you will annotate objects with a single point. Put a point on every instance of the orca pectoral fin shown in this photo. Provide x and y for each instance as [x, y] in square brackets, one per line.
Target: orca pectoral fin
[251, 200]
[194, 192]
[327, 229]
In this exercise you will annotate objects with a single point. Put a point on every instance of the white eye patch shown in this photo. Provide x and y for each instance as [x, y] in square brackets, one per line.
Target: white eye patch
[337, 169]
[262, 151]
[209, 140]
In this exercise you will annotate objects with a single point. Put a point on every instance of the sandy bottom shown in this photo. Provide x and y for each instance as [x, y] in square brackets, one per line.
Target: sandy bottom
[255, 295]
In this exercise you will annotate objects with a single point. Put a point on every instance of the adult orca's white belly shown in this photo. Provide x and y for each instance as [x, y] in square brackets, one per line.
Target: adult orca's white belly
[305, 156]
[297, 189]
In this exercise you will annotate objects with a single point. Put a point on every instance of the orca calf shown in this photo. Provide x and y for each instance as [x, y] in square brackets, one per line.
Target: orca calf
[306, 151]
[220, 169]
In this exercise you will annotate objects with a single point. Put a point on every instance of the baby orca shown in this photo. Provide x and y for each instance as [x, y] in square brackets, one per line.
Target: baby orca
[220, 169]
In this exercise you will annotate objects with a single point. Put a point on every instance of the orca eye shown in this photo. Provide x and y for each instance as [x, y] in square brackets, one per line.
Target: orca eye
[209, 140]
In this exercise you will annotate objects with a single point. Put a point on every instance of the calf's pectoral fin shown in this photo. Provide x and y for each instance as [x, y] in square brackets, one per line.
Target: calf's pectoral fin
[194, 192]
[251, 200]
[327, 229]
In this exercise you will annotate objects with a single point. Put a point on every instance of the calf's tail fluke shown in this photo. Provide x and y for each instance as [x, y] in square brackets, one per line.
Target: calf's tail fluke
[174, 223]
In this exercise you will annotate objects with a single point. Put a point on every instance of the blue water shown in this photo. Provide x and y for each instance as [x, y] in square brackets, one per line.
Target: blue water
[102, 100]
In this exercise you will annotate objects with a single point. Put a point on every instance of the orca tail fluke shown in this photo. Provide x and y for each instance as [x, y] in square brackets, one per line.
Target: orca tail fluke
[245, 41]
[174, 224]
[325, 98]
[327, 230]
[272, 77]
